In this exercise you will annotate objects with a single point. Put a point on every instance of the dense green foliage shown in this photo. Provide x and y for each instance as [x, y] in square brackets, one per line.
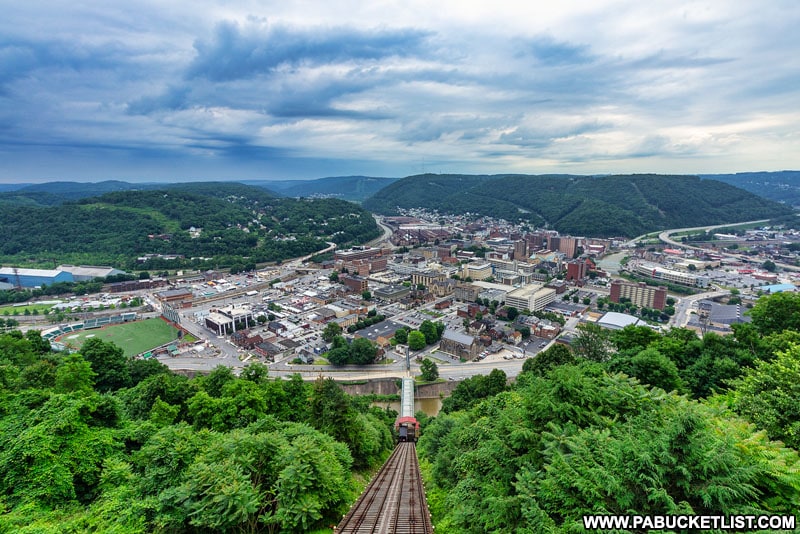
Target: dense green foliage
[781, 186]
[595, 431]
[581, 205]
[583, 441]
[234, 222]
[157, 452]
[360, 351]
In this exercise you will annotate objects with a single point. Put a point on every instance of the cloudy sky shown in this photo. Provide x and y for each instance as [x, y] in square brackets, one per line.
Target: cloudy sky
[180, 90]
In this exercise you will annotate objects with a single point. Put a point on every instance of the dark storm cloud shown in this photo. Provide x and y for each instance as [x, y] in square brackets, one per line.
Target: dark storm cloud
[242, 51]
[550, 52]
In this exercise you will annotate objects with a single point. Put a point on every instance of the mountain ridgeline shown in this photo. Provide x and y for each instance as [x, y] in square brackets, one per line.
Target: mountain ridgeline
[354, 188]
[622, 205]
[203, 224]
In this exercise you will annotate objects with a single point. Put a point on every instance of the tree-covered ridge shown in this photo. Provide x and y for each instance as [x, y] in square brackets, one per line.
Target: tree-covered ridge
[95, 442]
[57, 193]
[354, 188]
[582, 205]
[781, 186]
[233, 220]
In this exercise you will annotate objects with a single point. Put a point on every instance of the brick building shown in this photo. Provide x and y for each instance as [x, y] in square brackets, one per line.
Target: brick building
[639, 294]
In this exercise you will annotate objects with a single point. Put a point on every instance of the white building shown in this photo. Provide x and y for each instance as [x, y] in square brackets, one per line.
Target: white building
[533, 297]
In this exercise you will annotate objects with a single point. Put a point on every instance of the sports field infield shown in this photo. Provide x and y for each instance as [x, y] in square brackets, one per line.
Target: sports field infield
[133, 338]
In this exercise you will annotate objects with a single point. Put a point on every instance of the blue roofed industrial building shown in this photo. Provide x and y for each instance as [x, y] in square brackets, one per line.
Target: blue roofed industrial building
[31, 278]
[778, 288]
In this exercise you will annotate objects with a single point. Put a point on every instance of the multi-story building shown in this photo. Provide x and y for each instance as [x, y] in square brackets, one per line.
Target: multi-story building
[356, 284]
[567, 245]
[639, 294]
[466, 292]
[678, 277]
[426, 278]
[392, 292]
[577, 270]
[533, 297]
[356, 253]
[476, 271]
[520, 250]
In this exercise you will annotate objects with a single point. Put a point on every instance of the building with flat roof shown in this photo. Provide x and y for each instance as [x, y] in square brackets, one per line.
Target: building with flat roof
[618, 321]
[356, 284]
[392, 292]
[670, 275]
[639, 294]
[533, 297]
[30, 278]
[476, 271]
[86, 273]
[778, 288]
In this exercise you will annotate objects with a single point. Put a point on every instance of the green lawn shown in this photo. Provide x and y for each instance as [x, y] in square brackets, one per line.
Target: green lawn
[133, 338]
[7, 311]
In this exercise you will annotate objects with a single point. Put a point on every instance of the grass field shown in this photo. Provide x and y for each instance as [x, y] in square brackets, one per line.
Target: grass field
[133, 338]
[5, 311]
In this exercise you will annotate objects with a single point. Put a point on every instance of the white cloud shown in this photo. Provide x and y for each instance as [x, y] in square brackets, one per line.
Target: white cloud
[378, 87]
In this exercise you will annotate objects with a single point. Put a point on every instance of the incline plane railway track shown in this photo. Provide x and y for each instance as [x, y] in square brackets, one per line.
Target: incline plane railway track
[394, 501]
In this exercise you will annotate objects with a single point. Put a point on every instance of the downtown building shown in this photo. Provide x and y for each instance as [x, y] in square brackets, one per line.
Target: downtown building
[533, 297]
[639, 294]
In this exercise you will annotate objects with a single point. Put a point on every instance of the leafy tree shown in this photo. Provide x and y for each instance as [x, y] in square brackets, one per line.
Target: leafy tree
[555, 355]
[363, 351]
[331, 330]
[651, 367]
[633, 338]
[38, 344]
[777, 312]
[366, 295]
[142, 369]
[769, 396]
[108, 362]
[592, 342]
[74, 374]
[216, 380]
[511, 313]
[474, 389]
[769, 265]
[429, 369]
[429, 331]
[401, 335]
[416, 340]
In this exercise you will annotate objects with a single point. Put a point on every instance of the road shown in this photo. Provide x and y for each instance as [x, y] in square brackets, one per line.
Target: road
[685, 305]
[387, 232]
[664, 236]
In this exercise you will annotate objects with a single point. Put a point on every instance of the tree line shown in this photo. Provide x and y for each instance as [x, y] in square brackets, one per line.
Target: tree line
[97, 442]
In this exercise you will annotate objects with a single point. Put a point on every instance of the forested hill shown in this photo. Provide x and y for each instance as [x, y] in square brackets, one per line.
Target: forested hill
[621, 205]
[781, 186]
[355, 188]
[55, 193]
[232, 223]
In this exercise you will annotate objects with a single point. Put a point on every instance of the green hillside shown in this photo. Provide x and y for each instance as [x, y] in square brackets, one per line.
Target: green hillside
[781, 186]
[235, 223]
[355, 188]
[624, 205]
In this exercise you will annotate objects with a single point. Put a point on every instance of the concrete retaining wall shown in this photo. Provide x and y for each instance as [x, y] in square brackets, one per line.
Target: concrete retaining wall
[391, 386]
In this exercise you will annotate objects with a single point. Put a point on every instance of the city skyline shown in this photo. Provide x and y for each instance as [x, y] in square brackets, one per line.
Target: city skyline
[302, 90]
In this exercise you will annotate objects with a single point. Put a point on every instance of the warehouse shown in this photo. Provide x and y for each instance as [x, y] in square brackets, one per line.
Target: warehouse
[31, 278]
